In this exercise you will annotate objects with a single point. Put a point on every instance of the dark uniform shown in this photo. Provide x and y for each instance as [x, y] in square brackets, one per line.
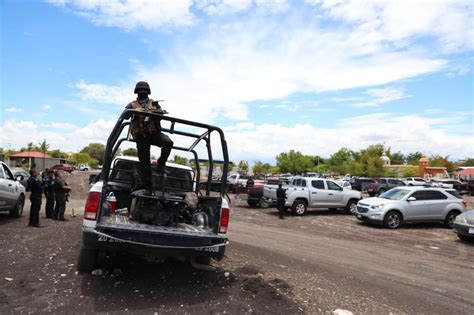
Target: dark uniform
[281, 196]
[49, 192]
[60, 199]
[146, 131]
[35, 198]
[250, 183]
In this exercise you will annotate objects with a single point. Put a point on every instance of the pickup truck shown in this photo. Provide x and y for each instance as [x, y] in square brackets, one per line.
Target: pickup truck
[12, 192]
[269, 190]
[382, 185]
[310, 192]
[236, 181]
[361, 184]
[175, 220]
[416, 181]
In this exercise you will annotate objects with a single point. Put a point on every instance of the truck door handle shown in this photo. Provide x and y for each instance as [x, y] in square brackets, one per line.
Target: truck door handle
[314, 193]
[330, 194]
[9, 185]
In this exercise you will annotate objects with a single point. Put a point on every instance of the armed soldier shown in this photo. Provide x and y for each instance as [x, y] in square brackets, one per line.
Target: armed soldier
[35, 198]
[146, 131]
[281, 196]
[60, 191]
[48, 182]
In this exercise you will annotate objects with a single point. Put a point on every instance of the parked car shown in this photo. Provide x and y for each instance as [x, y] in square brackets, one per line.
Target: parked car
[469, 187]
[439, 183]
[310, 192]
[24, 175]
[12, 192]
[460, 187]
[361, 184]
[83, 167]
[174, 220]
[382, 185]
[63, 167]
[464, 226]
[415, 181]
[410, 204]
[344, 183]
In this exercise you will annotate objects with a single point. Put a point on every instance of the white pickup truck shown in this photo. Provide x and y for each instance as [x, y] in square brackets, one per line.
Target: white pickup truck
[12, 192]
[310, 192]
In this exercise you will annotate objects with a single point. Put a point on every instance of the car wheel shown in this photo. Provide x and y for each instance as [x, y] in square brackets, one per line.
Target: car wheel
[299, 207]
[393, 220]
[252, 203]
[351, 207]
[17, 210]
[449, 221]
[381, 191]
[465, 238]
[263, 203]
[87, 260]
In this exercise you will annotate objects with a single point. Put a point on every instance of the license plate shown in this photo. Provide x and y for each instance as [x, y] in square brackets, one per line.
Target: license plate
[471, 230]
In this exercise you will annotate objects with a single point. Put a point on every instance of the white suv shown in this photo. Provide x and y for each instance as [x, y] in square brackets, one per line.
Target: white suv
[411, 204]
[12, 192]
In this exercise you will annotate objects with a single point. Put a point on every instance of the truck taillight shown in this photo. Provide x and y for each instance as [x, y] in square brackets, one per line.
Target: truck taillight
[225, 214]
[464, 203]
[92, 204]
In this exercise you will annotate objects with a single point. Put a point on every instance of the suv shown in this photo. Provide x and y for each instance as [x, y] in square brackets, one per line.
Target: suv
[12, 192]
[361, 184]
[411, 204]
[310, 192]
[382, 185]
[176, 220]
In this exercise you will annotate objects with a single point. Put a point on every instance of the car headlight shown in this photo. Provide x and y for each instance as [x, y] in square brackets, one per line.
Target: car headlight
[461, 219]
[376, 207]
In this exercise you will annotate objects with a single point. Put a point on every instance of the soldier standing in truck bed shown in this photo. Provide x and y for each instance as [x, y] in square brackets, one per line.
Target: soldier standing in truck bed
[146, 131]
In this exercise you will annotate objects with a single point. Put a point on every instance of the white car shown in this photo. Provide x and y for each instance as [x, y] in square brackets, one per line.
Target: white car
[344, 184]
[411, 204]
[83, 167]
[12, 192]
[310, 192]
[415, 181]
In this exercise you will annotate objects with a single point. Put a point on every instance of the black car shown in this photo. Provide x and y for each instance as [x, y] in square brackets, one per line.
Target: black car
[362, 184]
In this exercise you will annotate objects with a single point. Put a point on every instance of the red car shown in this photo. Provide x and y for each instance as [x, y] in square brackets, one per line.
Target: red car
[62, 167]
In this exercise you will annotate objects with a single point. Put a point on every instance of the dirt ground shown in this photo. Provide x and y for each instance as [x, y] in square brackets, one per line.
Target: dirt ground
[318, 263]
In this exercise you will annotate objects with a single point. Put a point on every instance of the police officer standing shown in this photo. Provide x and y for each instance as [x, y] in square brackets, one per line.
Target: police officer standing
[35, 198]
[281, 196]
[146, 131]
[60, 191]
[48, 182]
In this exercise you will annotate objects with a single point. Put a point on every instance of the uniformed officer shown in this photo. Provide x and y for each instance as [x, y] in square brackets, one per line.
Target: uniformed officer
[35, 198]
[146, 131]
[48, 182]
[60, 191]
[281, 196]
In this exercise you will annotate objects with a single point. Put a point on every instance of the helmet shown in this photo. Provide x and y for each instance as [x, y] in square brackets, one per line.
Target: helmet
[142, 85]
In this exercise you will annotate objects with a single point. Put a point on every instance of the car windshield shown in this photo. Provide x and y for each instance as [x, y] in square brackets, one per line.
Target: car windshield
[395, 194]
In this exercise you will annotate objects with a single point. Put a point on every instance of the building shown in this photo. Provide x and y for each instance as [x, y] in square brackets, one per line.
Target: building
[464, 173]
[423, 168]
[40, 160]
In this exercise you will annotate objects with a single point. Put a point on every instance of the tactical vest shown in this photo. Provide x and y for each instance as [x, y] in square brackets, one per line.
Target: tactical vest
[139, 127]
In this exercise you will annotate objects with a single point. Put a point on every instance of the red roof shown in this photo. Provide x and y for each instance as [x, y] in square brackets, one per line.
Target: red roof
[29, 154]
[467, 171]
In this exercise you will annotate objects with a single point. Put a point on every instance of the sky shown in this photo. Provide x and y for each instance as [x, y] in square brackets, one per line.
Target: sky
[312, 76]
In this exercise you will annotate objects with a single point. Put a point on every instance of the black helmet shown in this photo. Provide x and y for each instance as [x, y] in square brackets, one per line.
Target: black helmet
[142, 85]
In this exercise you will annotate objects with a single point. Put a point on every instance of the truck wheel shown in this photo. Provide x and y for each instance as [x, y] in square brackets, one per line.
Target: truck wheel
[263, 204]
[351, 207]
[465, 238]
[393, 220]
[87, 260]
[299, 207]
[17, 210]
[252, 203]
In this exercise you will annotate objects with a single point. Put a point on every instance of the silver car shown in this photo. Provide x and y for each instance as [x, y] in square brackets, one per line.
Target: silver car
[464, 226]
[411, 204]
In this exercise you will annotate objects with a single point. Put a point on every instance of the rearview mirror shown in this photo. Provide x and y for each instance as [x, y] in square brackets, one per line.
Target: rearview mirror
[19, 177]
[411, 199]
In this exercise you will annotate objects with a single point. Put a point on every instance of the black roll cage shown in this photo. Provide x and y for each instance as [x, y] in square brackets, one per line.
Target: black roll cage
[113, 144]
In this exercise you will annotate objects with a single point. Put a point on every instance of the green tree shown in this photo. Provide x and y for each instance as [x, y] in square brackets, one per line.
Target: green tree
[95, 151]
[130, 152]
[258, 168]
[243, 167]
[58, 154]
[81, 158]
[467, 162]
[339, 161]
[410, 171]
[414, 158]
[356, 168]
[294, 162]
[374, 167]
[397, 158]
[180, 160]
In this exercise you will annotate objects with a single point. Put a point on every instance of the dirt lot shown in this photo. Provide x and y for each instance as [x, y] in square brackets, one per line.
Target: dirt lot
[313, 264]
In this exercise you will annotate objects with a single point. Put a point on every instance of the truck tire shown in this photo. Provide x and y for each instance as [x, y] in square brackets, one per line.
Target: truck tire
[263, 203]
[252, 203]
[17, 210]
[299, 207]
[351, 206]
[87, 260]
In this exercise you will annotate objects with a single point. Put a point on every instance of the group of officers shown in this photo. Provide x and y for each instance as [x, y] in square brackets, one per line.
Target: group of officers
[53, 186]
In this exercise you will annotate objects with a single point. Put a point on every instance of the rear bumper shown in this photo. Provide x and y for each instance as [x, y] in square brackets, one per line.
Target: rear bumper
[159, 245]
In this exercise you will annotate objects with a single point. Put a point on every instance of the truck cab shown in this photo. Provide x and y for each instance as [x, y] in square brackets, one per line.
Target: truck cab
[310, 192]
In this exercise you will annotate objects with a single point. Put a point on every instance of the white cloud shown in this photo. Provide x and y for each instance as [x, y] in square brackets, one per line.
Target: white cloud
[13, 110]
[101, 93]
[47, 107]
[60, 125]
[379, 96]
[128, 15]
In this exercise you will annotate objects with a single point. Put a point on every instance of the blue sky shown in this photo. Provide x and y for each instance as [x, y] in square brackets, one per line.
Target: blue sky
[276, 75]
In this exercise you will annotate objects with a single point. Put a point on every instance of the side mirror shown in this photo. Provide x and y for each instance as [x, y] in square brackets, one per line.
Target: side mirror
[19, 177]
[411, 199]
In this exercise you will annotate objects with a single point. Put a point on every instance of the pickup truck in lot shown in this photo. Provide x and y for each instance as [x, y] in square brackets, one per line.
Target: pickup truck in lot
[382, 185]
[310, 192]
[12, 192]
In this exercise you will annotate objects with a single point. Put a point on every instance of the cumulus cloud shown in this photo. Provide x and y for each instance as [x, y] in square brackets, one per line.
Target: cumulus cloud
[47, 107]
[13, 110]
[101, 93]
